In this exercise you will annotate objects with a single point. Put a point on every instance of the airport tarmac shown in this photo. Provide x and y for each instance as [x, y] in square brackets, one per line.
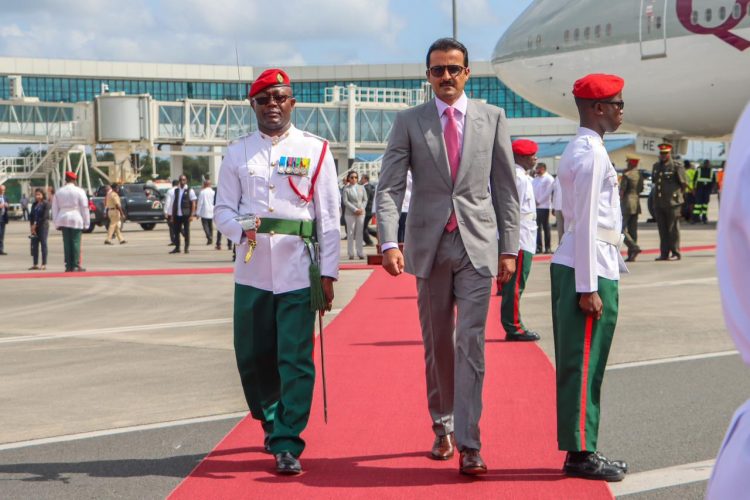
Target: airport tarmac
[117, 386]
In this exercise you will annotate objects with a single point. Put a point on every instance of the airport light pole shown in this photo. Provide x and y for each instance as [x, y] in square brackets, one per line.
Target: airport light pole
[455, 21]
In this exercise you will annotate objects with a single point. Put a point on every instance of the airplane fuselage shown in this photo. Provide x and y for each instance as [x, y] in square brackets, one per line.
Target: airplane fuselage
[686, 63]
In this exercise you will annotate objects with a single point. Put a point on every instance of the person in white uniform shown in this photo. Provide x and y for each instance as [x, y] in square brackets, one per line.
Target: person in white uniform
[286, 264]
[730, 478]
[585, 274]
[543, 186]
[70, 213]
[205, 210]
[524, 154]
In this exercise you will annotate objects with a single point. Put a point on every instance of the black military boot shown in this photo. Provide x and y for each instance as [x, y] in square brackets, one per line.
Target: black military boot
[590, 465]
[287, 464]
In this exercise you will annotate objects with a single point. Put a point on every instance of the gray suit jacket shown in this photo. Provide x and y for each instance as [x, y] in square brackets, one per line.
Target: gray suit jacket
[485, 197]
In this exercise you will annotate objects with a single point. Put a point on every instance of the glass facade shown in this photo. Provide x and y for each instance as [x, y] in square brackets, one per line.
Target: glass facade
[50, 89]
[488, 88]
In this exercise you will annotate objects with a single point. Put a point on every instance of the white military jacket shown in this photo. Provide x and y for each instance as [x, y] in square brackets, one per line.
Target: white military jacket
[591, 209]
[250, 183]
[70, 207]
[729, 478]
[528, 210]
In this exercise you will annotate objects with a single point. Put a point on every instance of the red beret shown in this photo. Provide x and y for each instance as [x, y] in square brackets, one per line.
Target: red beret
[598, 86]
[269, 78]
[525, 147]
[71, 175]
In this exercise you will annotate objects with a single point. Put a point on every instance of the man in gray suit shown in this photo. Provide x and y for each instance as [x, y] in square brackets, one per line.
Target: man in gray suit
[464, 200]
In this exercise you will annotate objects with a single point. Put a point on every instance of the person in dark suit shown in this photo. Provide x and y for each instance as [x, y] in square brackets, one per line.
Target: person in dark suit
[39, 220]
[183, 213]
[463, 232]
[370, 190]
[3, 218]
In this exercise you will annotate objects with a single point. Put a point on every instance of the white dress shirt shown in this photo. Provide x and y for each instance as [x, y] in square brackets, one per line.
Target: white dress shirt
[205, 208]
[168, 200]
[730, 478]
[70, 207]
[528, 210]
[556, 195]
[249, 183]
[591, 202]
[459, 107]
[543, 186]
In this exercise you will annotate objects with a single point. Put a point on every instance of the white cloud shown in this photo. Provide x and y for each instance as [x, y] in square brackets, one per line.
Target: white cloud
[196, 31]
[10, 31]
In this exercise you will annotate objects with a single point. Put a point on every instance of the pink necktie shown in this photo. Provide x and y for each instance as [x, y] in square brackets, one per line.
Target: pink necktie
[450, 134]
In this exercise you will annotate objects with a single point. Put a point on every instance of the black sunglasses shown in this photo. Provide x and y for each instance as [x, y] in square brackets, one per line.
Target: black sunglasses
[453, 70]
[277, 98]
[620, 104]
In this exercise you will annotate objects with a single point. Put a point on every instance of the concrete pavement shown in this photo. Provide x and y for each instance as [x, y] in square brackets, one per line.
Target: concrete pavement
[99, 354]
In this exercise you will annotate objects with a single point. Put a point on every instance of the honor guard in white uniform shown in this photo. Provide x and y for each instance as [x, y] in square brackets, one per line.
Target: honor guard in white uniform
[524, 154]
[730, 477]
[585, 275]
[278, 200]
[70, 213]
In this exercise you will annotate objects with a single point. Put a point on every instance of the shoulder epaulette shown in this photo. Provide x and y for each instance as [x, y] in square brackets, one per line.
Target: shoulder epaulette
[308, 134]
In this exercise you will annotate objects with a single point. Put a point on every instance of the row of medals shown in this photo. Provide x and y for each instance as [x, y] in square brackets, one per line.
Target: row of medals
[287, 165]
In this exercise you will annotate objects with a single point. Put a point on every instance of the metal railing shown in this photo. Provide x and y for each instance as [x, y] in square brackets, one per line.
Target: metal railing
[218, 122]
[37, 120]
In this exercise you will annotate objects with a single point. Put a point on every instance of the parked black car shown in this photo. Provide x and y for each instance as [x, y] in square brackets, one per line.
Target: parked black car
[142, 203]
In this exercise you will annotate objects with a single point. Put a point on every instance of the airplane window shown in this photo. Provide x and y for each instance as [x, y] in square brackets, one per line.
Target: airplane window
[658, 22]
[530, 44]
[539, 40]
[567, 36]
[576, 34]
[737, 11]
[598, 31]
[722, 13]
[694, 17]
[608, 29]
[587, 33]
[709, 15]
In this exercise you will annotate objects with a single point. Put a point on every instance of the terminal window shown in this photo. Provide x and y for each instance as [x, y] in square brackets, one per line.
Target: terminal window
[49, 89]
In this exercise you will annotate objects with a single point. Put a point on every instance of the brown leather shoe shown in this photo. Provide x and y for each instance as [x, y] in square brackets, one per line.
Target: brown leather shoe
[471, 463]
[443, 447]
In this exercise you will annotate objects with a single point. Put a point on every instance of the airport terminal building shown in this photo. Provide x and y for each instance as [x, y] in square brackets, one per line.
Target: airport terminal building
[178, 110]
[62, 80]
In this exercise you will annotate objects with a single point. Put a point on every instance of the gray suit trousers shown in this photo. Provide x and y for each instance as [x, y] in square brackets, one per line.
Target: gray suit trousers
[454, 341]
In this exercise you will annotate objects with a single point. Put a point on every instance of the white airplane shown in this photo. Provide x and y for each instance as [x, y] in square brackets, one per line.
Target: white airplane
[686, 63]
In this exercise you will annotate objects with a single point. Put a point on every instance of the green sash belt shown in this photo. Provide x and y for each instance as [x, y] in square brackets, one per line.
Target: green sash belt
[305, 229]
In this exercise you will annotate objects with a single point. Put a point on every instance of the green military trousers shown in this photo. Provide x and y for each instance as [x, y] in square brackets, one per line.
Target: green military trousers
[273, 343]
[71, 248]
[510, 307]
[581, 349]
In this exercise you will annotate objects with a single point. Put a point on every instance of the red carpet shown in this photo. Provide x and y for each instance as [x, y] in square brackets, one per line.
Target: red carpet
[144, 272]
[378, 436]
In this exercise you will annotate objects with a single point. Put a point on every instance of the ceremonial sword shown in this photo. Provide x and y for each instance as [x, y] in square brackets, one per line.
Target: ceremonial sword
[323, 367]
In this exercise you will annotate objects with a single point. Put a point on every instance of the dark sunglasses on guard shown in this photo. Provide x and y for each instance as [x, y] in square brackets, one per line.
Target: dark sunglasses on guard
[277, 98]
[620, 104]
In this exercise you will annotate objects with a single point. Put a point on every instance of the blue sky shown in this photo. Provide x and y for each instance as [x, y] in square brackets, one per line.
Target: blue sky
[294, 32]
